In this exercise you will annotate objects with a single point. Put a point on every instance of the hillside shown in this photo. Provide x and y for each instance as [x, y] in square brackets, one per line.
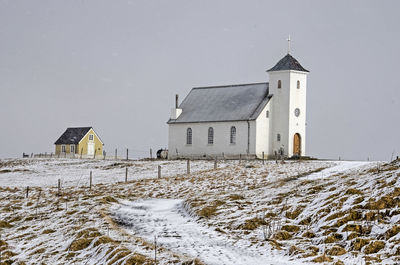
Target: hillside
[293, 213]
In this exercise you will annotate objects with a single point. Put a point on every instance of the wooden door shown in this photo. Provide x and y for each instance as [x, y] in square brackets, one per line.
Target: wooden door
[297, 145]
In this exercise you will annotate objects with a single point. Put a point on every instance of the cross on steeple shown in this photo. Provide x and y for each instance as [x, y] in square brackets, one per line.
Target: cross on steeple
[288, 50]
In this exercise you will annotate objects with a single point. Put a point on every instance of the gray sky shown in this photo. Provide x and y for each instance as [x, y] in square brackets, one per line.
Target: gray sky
[116, 65]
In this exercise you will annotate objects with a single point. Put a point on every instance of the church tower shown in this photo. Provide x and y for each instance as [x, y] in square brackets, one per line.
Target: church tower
[288, 87]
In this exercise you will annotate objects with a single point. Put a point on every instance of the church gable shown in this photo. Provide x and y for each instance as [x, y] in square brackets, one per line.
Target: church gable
[223, 103]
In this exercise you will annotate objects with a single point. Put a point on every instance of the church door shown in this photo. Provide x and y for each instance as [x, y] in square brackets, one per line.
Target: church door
[297, 145]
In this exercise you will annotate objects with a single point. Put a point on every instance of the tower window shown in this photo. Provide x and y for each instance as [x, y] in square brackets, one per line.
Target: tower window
[278, 137]
[267, 114]
[210, 135]
[279, 84]
[233, 135]
[298, 84]
[189, 136]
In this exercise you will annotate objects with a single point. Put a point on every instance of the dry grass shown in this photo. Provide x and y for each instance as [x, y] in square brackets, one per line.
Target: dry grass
[359, 243]
[251, 224]
[374, 247]
[336, 251]
[322, 258]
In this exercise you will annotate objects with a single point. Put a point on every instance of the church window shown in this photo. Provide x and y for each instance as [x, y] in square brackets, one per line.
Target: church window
[91, 137]
[278, 137]
[279, 84]
[210, 135]
[189, 136]
[72, 149]
[298, 84]
[233, 135]
[267, 114]
[63, 148]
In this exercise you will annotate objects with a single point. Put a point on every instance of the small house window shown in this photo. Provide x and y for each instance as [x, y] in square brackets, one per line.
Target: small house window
[233, 135]
[91, 137]
[279, 84]
[298, 84]
[278, 137]
[210, 135]
[72, 149]
[63, 148]
[267, 114]
[189, 136]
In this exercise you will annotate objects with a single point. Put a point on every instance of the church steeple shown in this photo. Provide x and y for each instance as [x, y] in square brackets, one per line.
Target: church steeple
[288, 63]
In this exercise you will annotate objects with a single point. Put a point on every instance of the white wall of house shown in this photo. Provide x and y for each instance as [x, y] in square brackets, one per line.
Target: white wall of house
[177, 146]
[263, 127]
[297, 100]
[284, 102]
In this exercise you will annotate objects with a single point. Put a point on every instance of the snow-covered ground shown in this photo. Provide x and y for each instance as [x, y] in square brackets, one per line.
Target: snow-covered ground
[214, 216]
[75, 172]
[174, 228]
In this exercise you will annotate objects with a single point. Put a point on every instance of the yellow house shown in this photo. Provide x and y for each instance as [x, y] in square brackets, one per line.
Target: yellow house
[80, 141]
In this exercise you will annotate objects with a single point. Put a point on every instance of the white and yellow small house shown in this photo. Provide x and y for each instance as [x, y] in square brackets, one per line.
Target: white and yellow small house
[81, 141]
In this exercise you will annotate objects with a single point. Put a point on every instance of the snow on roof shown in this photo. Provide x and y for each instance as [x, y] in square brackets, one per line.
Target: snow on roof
[223, 103]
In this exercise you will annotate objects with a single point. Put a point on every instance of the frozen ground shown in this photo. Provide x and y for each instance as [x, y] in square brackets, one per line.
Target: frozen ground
[75, 172]
[175, 229]
[335, 212]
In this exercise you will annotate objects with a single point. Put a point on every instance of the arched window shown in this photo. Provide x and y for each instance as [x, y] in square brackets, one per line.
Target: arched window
[279, 84]
[233, 135]
[298, 84]
[210, 135]
[189, 136]
[267, 114]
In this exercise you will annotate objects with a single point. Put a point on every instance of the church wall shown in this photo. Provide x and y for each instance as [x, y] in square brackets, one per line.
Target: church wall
[297, 100]
[263, 140]
[280, 110]
[177, 146]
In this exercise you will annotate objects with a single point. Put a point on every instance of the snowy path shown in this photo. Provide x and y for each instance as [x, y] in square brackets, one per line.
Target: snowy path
[179, 232]
[340, 167]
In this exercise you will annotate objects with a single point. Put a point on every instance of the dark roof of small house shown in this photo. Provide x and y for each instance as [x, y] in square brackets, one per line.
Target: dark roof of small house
[73, 135]
[223, 103]
[288, 63]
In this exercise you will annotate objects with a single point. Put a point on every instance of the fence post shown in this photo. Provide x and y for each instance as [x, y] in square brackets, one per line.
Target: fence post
[159, 171]
[127, 156]
[215, 163]
[223, 156]
[151, 154]
[104, 155]
[126, 174]
[94, 155]
[81, 153]
[240, 159]
[116, 153]
[59, 187]
[188, 167]
[27, 191]
[90, 181]
[263, 158]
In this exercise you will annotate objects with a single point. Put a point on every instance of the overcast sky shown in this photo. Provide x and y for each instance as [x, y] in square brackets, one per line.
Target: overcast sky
[117, 65]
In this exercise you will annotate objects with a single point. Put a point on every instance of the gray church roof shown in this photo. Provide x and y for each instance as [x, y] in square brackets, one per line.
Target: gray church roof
[223, 103]
[73, 135]
[288, 63]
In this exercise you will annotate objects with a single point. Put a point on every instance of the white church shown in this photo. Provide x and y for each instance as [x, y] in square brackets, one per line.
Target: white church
[245, 119]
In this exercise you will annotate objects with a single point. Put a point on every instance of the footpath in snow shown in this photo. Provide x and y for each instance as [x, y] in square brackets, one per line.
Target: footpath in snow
[340, 167]
[179, 232]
